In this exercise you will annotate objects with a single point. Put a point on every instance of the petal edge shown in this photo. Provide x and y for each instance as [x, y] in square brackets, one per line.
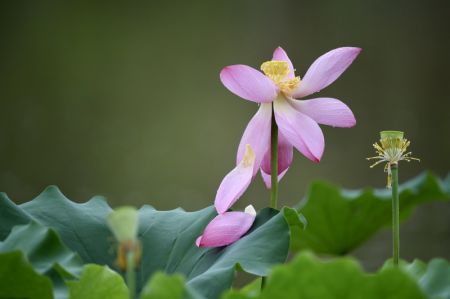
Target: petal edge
[326, 111]
[300, 130]
[235, 182]
[257, 134]
[225, 229]
[248, 83]
[325, 70]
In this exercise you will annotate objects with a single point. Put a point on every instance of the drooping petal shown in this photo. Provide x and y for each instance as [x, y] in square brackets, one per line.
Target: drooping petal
[280, 54]
[257, 134]
[267, 178]
[285, 156]
[248, 83]
[299, 129]
[325, 70]
[227, 228]
[326, 111]
[236, 182]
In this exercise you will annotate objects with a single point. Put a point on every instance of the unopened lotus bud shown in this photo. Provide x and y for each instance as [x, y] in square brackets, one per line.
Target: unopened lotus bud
[124, 222]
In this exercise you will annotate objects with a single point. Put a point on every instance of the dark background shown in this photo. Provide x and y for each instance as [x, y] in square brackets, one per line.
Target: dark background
[124, 99]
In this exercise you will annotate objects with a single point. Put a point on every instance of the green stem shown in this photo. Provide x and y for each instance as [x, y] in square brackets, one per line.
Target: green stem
[131, 274]
[274, 163]
[274, 171]
[395, 215]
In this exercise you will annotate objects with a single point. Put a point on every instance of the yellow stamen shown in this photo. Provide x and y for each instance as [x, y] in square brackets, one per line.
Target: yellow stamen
[277, 71]
[249, 156]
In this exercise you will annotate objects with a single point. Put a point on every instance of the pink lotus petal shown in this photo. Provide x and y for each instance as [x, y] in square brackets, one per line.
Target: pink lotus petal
[257, 134]
[281, 55]
[226, 229]
[300, 130]
[285, 156]
[248, 83]
[326, 111]
[235, 183]
[325, 70]
[267, 178]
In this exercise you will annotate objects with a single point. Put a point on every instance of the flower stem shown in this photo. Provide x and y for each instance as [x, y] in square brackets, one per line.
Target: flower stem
[274, 172]
[131, 274]
[395, 215]
[274, 163]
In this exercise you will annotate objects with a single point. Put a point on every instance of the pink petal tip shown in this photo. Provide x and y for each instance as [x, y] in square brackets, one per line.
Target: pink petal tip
[226, 229]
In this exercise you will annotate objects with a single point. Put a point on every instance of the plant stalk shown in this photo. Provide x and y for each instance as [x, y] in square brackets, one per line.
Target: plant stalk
[274, 171]
[274, 163]
[131, 274]
[395, 216]
[263, 282]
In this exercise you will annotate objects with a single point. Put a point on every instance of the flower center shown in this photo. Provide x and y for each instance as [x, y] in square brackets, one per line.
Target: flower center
[277, 71]
[392, 149]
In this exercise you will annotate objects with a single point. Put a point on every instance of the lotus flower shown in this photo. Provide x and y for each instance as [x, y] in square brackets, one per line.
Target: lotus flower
[227, 228]
[297, 120]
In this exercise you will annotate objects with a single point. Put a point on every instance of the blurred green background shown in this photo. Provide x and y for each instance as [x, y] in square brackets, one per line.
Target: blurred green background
[124, 99]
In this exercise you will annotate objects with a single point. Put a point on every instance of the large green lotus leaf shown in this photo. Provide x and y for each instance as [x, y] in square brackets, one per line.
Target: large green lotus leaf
[45, 252]
[18, 279]
[433, 278]
[297, 223]
[163, 286]
[98, 282]
[168, 239]
[307, 277]
[341, 220]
